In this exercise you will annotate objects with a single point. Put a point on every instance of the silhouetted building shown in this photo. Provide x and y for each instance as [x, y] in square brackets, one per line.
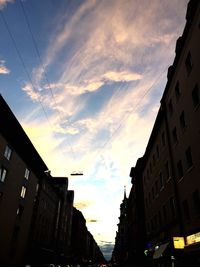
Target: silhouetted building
[170, 166]
[20, 170]
[36, 209]
[120, 251]
[84, 248]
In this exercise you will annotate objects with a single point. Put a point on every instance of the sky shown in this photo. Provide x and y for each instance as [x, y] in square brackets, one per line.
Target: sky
[85, 78]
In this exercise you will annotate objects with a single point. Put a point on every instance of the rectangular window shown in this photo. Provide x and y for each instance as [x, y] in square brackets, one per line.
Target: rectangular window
[196, 96]
[3, 173]
[188, 155]
[180, 169]
[26, 174]
[177, 91]
[182, 120]
[188, 63]
[20, 211]
[174, 135]
[23, 192]
[186, 211]
[7, 152]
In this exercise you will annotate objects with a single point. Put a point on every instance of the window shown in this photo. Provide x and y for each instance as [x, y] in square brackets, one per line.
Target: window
[177, 91]
[196, 96]
[163, 139]
[196, 201]
[27, 172]
[170, 107]
[23, 192]
[188, 155]
[182, 120]
[174, 135]
[188, 63]
[20, 211]
[3, 173]
[186, 211]
[7, 152]
[180, 169]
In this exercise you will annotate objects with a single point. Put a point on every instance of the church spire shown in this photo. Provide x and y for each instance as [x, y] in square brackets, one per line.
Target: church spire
[125, 192]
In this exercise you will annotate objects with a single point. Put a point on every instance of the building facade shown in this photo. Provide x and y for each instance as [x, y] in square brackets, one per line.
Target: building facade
[37, 223]
[170, 165]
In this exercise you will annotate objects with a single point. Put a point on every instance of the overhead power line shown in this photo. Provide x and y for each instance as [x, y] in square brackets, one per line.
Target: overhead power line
[23, 63]
[124, 118]
[41, 64]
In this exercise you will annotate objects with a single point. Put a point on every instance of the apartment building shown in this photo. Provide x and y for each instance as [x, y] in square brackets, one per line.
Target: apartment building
[171, 163]
[36, 208]
[19, 180]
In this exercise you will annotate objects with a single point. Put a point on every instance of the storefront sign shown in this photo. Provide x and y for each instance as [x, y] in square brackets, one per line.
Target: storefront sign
[191, 239]
[179, 242]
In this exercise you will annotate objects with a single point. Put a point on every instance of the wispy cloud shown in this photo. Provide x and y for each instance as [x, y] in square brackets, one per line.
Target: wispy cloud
[3, 68]
[107, 90]
[82, 205]
[3, 3]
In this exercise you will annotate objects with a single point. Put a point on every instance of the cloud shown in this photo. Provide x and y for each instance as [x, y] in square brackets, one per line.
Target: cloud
[91, 221]
[105, 46]
[122, 76]
[3, 3]
[83, 205]
[31, 92]
[3, 68]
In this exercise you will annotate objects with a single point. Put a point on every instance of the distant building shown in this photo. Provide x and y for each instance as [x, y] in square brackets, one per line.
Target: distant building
[120, 251]
[84, 248]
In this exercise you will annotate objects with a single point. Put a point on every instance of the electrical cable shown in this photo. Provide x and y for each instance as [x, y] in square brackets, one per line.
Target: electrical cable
[23, 64]
[42, 66]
